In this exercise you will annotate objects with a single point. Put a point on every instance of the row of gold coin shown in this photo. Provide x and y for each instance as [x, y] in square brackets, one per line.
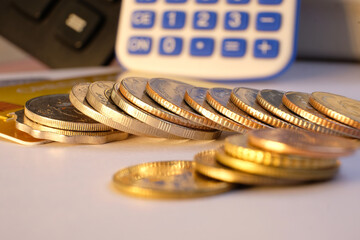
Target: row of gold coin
[106, 111]
[261, 157]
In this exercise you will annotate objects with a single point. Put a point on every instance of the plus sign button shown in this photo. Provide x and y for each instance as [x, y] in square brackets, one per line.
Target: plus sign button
[266, 48]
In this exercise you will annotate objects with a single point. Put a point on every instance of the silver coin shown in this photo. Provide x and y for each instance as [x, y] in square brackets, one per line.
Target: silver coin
[174, 130]
[134, 90]
[99, 97]
[66, 136]
[195, 97]
[219, 98]
[170, 94]
[245, 99]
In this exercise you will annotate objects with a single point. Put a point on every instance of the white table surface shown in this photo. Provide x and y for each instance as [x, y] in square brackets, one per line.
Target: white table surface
[60, 191]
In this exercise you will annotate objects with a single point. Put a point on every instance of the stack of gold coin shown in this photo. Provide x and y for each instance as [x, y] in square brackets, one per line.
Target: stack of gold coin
[275, 156]
[54, 118]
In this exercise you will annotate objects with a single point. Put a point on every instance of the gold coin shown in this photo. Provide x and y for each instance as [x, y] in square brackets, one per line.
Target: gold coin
[237, 146]
[57, 111]
[340, 108]
[134, 90]
[170, 94]
[276, 172]
[271, 100]
[66, 136]
[245, 99]
[298, 102]
[174, 130]
[99, 97]
[195, 97]
[303, 143]
[170, 179]
[205, 163]
[219, 98]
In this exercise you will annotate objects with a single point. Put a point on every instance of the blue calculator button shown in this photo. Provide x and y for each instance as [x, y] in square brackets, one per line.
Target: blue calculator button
[205, 20]
[173, 19]
[145, 1]
[270, 2]
[266, 48]
[206, 1]
[139, 45]
[268, 21]
[236, 20]
[143, 19]
[202, 46]
[233, 47]
[170, 46]
[238, 1]
[176, 1]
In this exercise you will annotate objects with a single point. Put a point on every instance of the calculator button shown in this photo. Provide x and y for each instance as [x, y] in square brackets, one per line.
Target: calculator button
[35, 9]
[205, 20]
[266, 48]
[233, 47]
[139, 45]
[176, 1]
[170, 46]
[143, 19]
[236, 20]
[238, 1]
[202, 46]
[270, 2]
[173, 20]
[268, 21]
[145, 1]
[78, 25]
[206, 1]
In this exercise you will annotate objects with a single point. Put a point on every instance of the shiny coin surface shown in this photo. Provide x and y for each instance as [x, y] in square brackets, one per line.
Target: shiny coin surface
[99, 97]
[196, 98]
[170, 179]
[271, 100]
[205, 163]
[237, 146]
[298, 102]
[66, 136]
[170, 94]
[57, 111]
[134, 90]
[303, 143]
[174, 130]
[245, 99]
[284, 173]
[343, 109]
[219, 98]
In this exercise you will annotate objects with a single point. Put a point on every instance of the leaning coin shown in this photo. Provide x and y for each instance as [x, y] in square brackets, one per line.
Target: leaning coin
[170, 94]
[134, 90]
[303, 143]
[57, 111]
[245, 99]
[168, 179]
[99, 97]
[298, 102]
[174, 130]
[276, 172]
[219, 98]
[66, 136]
[195, 97]
[340, 108]
[237, 146]
[271, 100]
[205, 163]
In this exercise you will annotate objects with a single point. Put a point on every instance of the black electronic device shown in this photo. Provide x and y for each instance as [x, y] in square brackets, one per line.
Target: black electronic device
[62, 33]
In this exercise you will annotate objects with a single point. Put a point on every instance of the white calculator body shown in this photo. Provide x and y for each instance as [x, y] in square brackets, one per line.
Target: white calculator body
[209, 39]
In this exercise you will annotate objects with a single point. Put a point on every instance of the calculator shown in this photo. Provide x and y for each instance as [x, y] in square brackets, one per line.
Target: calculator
[208, 39]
